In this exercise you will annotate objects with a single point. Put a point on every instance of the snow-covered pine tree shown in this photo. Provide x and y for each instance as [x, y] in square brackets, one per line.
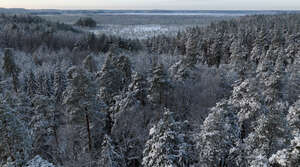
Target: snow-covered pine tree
[38, 161]
[138, 87]
[31, 85]
[270, 134]
[44, 84]
[220, 133]
[110, 80]
[59, 84]
[43, 127]
[215, 50]
[294, 79]
[289, 157]
[168, 144]
[123, 64]
[191, 45]
[260, 47]
[247, 102]
[15, 138]
[109, 156]
[10, 68]
[90, 64]
[83, 108]
[239, 57]
[293, 118]
[159, 86]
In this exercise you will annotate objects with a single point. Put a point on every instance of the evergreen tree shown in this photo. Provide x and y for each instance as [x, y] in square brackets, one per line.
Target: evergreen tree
[191, 46]
[38, 161]
[294, 80]
[215, 51]
[293, 118]
[239, 57]
[43, 126]
[248, 103]
[83, 108]
[109, 156]
[31, 85]
[44, 84]
[15, 138]
[220, 133]
[90, 64]
[159, 86]
[59, 84]
[110, 80]
[270, 135]
[168, 144]
[11, 68]
[138, 87]
[123, 64]
[289, 157]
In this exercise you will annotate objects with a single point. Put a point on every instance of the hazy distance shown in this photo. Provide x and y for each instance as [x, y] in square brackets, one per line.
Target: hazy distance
[155, 4]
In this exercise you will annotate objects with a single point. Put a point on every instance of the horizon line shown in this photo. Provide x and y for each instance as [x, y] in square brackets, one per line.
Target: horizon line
[93, 9]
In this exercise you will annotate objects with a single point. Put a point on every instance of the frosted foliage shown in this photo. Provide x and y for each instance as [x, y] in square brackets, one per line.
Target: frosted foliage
[59, 83]
[82, 111]
[81, 93]
[270, 135]
[293, 117]
[190, 58]
[109, 155]
[15, 139]
[168, 145]
[260, 161]
[114, 76]
[180, 71]
[238, 57]
[246, 100]
[90, 64]
[37, 161]
[289, 157]
[219, 134]
[160, 86]
[10, 163]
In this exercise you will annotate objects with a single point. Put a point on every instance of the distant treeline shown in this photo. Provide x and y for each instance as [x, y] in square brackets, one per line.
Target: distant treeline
[28, 33]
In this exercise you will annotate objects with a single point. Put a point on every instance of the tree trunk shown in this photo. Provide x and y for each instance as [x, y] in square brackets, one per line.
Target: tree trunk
[109, 124]
[15, 83]
[88, 131]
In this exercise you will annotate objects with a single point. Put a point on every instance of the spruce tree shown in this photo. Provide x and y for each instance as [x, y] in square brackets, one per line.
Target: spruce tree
[191, 46]
[293, 118]
[83, 108]
[220, 133]
[270, 134]
[90, 64]
[43, 126]
[109, 156]
[168, 144]
[31, 85]
[288, 157]
[11, 68]
[59, 84]
[160, 86]
[110, 80]
[15, 138]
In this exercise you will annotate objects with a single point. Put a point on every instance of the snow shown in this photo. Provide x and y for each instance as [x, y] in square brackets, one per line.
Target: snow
[152, 131]
[138, 31]
[37, 161]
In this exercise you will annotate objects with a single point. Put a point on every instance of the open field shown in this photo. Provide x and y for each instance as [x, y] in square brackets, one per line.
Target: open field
[125, 19]
[140, 25]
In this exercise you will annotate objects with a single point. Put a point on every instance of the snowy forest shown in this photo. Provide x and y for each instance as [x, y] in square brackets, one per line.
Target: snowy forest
[226, 94]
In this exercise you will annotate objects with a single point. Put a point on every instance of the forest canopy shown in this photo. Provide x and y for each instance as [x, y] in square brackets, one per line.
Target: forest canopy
[225, 94]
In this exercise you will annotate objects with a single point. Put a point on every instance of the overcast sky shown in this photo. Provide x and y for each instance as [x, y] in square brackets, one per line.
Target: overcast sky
[154, 4]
